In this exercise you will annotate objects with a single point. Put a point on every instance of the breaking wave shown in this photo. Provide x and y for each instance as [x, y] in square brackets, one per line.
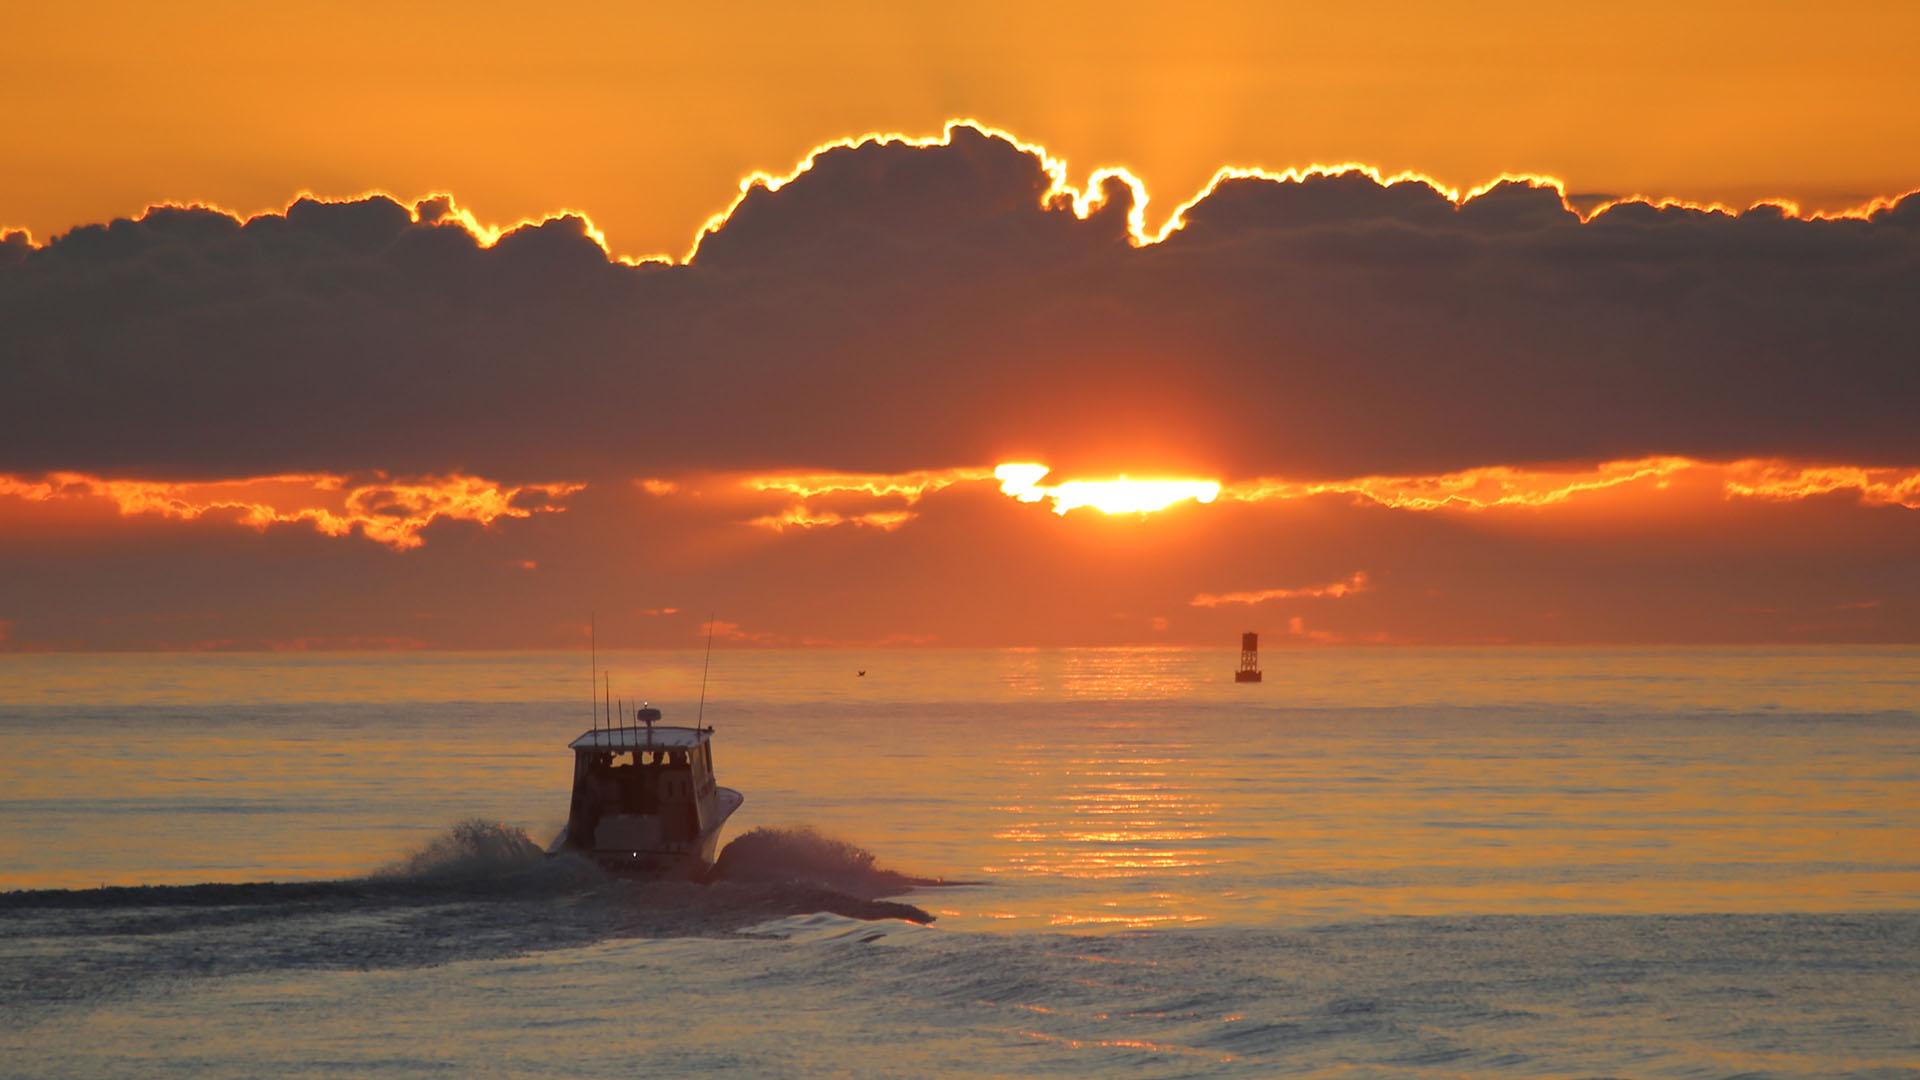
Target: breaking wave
[486, 856]
[474, 847]
[801, 854]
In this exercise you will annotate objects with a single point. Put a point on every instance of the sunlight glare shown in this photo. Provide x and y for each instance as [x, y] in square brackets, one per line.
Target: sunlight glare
[1117, 496]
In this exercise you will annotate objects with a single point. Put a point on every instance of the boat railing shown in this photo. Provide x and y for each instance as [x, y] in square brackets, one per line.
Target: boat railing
[644, 719]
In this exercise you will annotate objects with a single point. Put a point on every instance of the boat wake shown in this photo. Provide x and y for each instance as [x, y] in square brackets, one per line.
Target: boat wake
[476, 847]
[481, 890]
[802, 854]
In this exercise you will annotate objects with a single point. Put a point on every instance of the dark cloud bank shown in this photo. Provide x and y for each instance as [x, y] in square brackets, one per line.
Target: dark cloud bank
[899, 308]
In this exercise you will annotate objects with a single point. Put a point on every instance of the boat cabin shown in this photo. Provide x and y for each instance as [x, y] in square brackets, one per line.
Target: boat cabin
[645, 792]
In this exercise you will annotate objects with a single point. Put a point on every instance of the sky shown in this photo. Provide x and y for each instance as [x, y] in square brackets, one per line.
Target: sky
[390, 326]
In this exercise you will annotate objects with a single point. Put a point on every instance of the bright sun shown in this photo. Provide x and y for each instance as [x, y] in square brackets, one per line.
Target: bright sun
[1117, 496]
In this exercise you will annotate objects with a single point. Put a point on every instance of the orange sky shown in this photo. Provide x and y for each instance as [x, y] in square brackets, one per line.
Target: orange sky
[1660, 550]
[880, 405]
[647, 115]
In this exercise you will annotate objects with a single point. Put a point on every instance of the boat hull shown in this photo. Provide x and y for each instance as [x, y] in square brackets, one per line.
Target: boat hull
[645, 856]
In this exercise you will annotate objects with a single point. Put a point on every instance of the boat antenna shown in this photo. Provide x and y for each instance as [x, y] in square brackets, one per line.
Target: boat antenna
[708, 666]
[593, 665]
[609, 677]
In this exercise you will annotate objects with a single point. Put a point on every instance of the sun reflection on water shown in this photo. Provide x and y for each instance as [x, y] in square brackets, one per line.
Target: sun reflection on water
[1350, 785]
[1119, 673]
[1109, 812]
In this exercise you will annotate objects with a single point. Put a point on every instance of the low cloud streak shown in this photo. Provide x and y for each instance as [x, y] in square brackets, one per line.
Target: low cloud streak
[1355, 584]
[390, 512]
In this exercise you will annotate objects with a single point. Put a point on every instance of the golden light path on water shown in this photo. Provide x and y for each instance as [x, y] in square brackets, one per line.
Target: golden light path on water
[1108, 810]
[1081, 789]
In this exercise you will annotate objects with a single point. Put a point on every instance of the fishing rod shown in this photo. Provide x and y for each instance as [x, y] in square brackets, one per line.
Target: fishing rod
[708, 666]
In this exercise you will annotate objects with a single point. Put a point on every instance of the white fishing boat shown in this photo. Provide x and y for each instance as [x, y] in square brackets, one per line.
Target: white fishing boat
[645, 799]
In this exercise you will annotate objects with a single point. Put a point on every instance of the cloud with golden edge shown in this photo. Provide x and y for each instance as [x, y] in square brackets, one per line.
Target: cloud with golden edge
[1118, 496]
[437, 208]
[1019, 481]
[909, 488]
[1355, 584]
[1087, 198]
[1495, 487]
[1470, 489]
[799, 517]
[1502, 486]
[387, 511]
[441, 208]
[1766, 479]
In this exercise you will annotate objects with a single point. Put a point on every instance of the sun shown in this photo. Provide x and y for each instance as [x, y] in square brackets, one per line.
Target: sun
[1117, 496]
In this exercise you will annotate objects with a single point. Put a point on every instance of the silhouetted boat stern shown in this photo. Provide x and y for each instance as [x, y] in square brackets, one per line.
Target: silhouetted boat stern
[645, 800]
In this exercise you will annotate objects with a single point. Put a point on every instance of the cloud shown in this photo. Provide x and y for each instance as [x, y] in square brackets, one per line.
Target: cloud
[807, 501]
[1631, 563]
[1788, 480]
[385, 510]
[1355, 584]
[395, 512]
[1297, 627]
[897, 494]
[1474, 489]
[732, 632]
[894, 307]
[1651, 421]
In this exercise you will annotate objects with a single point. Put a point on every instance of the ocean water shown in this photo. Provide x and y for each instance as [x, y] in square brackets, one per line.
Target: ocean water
[1384, 862]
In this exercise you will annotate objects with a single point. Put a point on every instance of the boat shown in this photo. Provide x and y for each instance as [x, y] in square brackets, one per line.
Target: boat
[645, 800]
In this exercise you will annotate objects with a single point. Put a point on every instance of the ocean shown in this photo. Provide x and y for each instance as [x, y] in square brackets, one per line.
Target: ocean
[1387, 862]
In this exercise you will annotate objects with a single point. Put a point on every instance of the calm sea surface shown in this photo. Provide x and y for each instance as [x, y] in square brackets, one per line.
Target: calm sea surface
[1392, 862]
